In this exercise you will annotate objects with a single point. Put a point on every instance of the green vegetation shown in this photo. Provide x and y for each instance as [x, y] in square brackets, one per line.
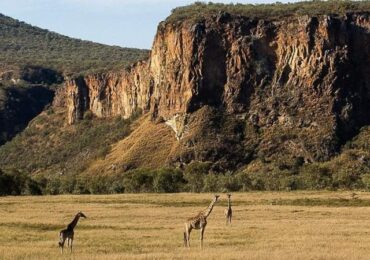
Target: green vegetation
[16, 183]
[58, 155]
[350, 170]
[22, 45]
[277, 10]
[50, 147]
[59, 160]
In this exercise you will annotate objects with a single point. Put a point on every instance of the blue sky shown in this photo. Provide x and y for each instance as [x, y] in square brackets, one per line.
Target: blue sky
[126, 23]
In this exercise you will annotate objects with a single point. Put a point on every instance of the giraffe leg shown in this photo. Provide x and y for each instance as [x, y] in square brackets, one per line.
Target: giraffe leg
[187, 235]
[189, 238]
[71, 241]
[201, 236]
[61, 242]
[189, 230]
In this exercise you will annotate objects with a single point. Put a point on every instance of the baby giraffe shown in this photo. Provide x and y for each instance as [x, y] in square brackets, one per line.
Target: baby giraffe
[228, 210]
[67, 234]
[198, 222]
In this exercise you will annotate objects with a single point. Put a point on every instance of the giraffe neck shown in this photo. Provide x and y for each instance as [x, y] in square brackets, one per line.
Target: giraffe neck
[229, 203]
[74, 222]
[208, 210]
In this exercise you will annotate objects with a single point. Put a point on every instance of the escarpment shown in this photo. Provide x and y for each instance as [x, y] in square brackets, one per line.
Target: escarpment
[109, 94]
[18, 106]
[235, 88]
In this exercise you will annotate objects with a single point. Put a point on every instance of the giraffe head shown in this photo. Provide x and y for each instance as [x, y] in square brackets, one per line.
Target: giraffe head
[216, 197]
[229, 195]
[80, 214]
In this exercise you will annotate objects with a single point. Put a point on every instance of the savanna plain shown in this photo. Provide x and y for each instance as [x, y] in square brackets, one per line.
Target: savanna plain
[266, 225]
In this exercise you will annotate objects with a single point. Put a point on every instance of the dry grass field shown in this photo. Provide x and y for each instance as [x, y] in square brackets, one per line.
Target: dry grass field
[266, 225]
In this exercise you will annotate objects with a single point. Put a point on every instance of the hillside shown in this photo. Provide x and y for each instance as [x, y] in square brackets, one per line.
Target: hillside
[231, 101]
[22, 45]
[35, 62]
[51, 146]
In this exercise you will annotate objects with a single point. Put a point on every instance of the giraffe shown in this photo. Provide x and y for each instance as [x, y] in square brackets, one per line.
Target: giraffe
[198, 222]
[67, 234]
[228, 210]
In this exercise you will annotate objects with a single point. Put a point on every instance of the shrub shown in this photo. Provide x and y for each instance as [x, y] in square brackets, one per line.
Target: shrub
[366, 181]
[346, 178]
[211, 183]
[67, 184]
[80, 186]
[98, 185]
[116, 186]
[314, 176]
[139, 180]
[168, 180]
[243, 181]
[194, 174]
[14, 182]
[231, 182]
[6, 184]
[53, 186]
[32, 188]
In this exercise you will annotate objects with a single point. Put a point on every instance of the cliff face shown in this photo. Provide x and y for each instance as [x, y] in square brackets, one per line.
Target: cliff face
[299, 86]
[18, 106]
[24, 93]
[108, 94]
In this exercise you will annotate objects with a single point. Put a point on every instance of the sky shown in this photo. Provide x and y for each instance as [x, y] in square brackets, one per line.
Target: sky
[125, 23]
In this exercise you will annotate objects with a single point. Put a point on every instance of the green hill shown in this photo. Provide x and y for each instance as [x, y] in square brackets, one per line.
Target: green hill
[35, 61]
[23, 45]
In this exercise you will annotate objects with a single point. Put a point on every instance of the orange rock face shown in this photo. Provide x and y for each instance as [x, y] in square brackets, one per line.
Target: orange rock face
[109, 94]
[308, 77]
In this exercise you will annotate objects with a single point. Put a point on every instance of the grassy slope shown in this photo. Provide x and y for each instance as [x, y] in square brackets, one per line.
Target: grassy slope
[148, 146]
[50, 146]
[22, 44]
[138, 227]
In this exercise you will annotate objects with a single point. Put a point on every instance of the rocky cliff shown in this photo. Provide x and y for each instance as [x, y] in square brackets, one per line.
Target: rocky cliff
[235, 88]
[108, 94]
[18, 106]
